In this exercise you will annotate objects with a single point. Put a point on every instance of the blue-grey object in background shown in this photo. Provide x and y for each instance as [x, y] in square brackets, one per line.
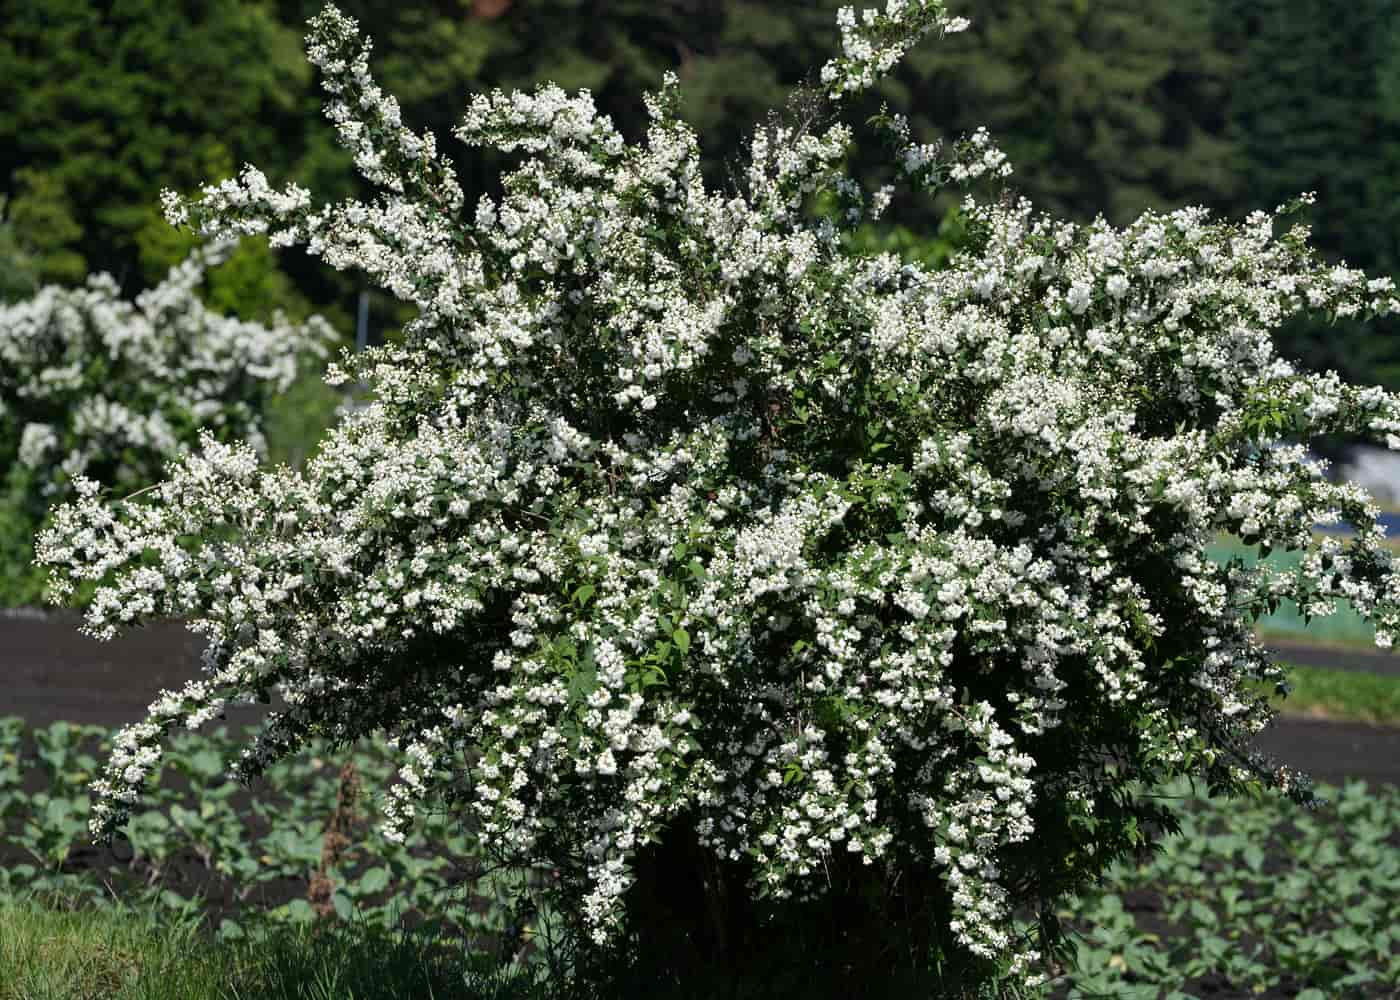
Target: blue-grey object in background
[362, 323]
[1376, 469]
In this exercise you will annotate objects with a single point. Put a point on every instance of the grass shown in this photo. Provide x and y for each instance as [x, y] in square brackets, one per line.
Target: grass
[1343, 695]
[123, 953]
[47, 953]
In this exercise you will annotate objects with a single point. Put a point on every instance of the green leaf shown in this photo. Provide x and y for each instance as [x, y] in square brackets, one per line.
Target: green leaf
[299, 911]
[1202, 914]
[230, 930]
[57, 810]
[1348, 940]
[1253, 857]
[682, 640]
[653, 676]
[583, 594]
[373, 881]
[205, 763]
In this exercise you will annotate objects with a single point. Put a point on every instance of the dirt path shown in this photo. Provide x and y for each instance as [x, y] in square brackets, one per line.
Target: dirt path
[1335, 656]
[50, 671]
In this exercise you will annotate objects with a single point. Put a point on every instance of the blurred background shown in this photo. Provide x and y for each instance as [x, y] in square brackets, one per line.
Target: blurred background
[1104, 106]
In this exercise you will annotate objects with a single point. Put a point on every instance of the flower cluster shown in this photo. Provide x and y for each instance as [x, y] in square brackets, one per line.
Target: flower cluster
[94, 386]
[874, 43]
[669, 509]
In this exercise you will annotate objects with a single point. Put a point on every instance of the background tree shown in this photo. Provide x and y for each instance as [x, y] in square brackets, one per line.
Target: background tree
[1110, 107]
[19, 277]
[1314, 105]
[1105, 107]
[105, 103]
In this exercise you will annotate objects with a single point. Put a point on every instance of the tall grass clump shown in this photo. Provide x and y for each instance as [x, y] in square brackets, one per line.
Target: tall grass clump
[783, 609]
[52, 952]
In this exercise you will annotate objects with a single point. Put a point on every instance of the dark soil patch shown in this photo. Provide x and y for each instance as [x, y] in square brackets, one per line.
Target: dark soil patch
[1334, 656]
[1335, 751]
[50, 671]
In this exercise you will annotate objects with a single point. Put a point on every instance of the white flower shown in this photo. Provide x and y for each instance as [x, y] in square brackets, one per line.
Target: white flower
[894, 532]
[35, 444]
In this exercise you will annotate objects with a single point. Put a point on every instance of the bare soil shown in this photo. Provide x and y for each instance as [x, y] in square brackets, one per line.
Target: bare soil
[1335, 656]
[50, 671]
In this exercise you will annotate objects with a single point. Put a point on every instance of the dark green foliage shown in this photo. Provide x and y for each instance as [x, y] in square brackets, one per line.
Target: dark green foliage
[1250, 899]
[1106, 107]
[1256, 895]
[107, 103]
[104, 105]
[19, 274]
[1315, 106]
[1308, 111]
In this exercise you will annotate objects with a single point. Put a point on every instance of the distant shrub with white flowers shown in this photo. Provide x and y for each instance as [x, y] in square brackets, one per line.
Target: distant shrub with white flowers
[95, 386]
[754, 588]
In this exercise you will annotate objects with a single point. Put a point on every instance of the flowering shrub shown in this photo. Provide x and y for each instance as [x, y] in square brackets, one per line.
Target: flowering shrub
[676, 525]
[98, 387]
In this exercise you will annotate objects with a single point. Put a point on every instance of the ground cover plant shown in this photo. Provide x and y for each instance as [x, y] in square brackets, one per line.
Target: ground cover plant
[212, 895]
[1249, 898]
[96, 386]
[748, 585]
[289, 850]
